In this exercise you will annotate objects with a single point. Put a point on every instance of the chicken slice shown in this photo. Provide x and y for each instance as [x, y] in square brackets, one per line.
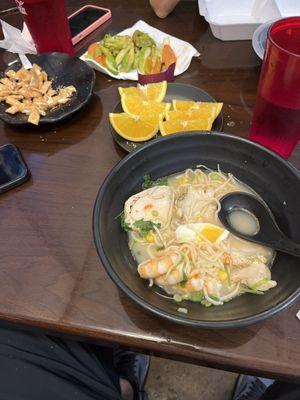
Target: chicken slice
[194, 201]
[154, 204]
[256, 275]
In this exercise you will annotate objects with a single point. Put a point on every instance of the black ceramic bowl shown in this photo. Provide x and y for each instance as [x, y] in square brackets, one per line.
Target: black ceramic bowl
[273, 178]
[63, 70]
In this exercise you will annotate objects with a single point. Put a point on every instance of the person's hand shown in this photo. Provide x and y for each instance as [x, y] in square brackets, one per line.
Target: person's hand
[162, 8]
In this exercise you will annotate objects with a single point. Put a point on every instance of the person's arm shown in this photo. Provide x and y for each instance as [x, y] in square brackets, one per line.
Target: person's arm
[162, 8]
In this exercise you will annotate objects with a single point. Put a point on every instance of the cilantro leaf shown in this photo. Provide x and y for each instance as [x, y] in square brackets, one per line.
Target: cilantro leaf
[148, 183]
[145, 227]
[124, 224]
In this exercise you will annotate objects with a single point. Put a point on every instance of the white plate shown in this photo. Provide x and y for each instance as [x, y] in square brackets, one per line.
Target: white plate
[183, 50]
[259, 39]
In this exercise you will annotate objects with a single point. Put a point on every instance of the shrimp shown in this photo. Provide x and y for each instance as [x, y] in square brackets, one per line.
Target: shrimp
[213, 287]
[154, 267]
[193, 284]
[172, 278]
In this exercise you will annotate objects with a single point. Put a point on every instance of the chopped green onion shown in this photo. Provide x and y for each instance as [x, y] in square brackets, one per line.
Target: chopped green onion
[160, 248]
[259, 283]
[215, 176]
[215, 298]
[184, 280]
[206, 303]
[179, 261]
[151, 282]
[228, 274]
[245, 289]
[197, 297]
[132, 243]
[182, 310]
[177, 298]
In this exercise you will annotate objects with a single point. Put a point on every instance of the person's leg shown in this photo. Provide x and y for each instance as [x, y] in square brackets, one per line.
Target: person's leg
[282, 391]
[35, 367]
[255, 388]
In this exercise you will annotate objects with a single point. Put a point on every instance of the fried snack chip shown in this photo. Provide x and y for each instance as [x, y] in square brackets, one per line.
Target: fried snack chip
[30, 92]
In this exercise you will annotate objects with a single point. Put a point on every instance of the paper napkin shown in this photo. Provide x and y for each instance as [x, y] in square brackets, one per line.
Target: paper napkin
[183, 50]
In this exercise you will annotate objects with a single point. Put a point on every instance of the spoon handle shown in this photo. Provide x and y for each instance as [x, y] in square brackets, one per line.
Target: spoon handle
[286, 245]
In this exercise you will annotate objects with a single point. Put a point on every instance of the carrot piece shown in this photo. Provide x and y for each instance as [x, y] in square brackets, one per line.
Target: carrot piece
[101, 59]
[92, 49]
[168, 55]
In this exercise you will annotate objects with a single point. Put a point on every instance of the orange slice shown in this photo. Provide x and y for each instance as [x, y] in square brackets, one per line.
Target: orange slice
[152, 91]
[201, 113]
[135, 128]
[196, 105]
[136, 106]
[169, 127]
[183, 105]
[131, 91]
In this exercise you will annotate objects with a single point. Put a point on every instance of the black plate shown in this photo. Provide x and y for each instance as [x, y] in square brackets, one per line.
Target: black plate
[178, 91]
[64, 70]
[272, 177]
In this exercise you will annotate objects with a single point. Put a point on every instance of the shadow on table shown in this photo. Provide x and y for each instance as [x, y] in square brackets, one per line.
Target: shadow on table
[52, 138]
[196, 338]
[218, 54]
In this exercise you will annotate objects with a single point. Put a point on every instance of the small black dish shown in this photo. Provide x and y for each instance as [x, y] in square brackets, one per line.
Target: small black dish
[175, 91]
[273, 178]
[64, 70]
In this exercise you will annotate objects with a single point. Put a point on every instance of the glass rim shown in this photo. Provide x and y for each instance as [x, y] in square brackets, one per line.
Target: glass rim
[279, 22]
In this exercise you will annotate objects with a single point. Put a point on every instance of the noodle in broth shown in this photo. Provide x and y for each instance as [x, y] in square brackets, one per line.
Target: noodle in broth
[180, 245]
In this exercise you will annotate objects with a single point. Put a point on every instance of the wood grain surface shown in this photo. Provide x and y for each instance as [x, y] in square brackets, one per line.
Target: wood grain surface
[50, 275]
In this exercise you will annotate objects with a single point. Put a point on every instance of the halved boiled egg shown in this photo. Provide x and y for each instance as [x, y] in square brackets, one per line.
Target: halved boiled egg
[195, 232]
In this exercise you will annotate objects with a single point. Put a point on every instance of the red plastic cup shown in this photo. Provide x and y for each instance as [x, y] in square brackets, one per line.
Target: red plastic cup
[48, 24]
[276, 118]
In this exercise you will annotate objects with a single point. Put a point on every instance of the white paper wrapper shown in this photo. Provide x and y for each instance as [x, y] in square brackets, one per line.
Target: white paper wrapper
[183, 50]
[16, 41]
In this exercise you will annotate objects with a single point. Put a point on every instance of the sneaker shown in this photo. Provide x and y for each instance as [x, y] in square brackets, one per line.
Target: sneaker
[134, 367]
[248, 388]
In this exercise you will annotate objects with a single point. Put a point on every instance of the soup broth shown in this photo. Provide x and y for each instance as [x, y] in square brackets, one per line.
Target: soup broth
[180, 245]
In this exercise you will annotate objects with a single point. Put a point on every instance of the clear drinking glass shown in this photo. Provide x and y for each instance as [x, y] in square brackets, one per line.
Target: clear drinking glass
[276, 118]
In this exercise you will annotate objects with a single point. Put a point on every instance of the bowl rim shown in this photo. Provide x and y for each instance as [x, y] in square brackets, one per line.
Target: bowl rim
[183, 320]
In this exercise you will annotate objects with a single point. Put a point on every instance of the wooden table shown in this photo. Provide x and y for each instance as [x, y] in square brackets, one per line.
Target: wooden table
[50, 275]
